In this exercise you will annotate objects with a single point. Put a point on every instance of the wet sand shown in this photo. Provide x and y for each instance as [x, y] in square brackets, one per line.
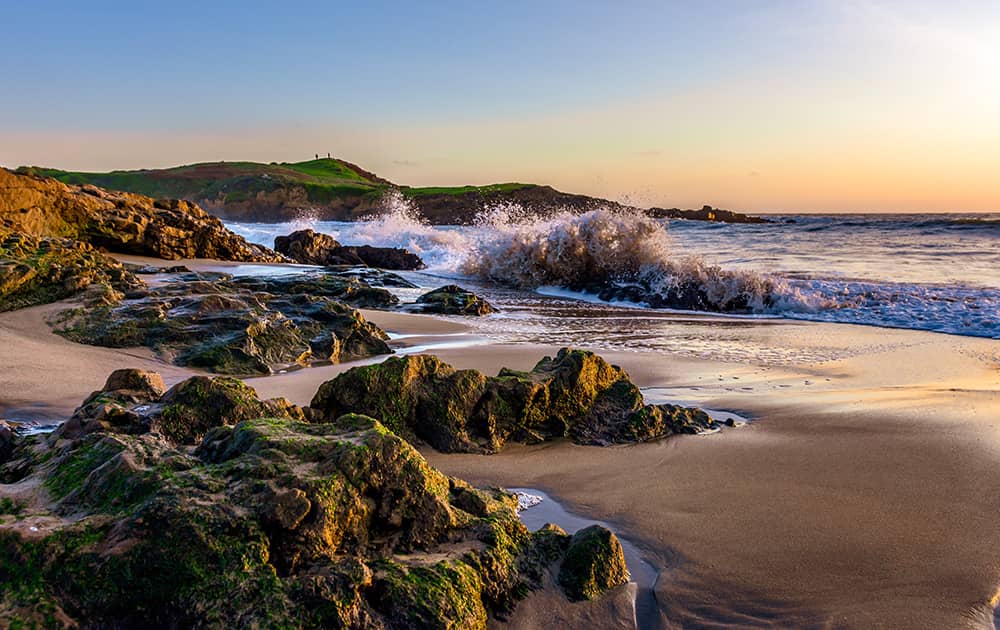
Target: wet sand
[864, 494]
[868, 501]
[43, 377]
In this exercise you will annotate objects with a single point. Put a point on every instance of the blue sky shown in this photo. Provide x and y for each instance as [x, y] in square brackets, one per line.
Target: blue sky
[678, 102]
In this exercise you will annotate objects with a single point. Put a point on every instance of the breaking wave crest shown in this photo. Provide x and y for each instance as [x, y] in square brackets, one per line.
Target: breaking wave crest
[619, 256]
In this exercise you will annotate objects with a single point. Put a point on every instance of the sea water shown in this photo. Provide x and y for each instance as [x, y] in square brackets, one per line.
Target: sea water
[926, 271]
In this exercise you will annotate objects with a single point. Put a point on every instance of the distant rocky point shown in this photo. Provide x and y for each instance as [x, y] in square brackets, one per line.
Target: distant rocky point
[707, 213]
[337, 190]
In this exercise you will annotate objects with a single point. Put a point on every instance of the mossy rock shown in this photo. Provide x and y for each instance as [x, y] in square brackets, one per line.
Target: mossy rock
[575, 394]
[39, 270]
[453, 300]
[271, 523]
[594, 563]
[238, 327]
[194, 406]
[416, 396]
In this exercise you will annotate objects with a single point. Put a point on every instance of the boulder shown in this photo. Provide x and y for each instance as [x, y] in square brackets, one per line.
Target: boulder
[307, 246]
[313, 248]
[416, 396]
[452, 300]
[594, 564]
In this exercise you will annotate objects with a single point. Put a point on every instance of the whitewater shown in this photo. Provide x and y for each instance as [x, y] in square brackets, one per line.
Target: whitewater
[927, 272]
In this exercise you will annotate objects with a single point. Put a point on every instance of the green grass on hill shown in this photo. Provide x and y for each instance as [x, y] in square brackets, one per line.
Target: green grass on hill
[326, 169]
[461, 190]
[324, 180]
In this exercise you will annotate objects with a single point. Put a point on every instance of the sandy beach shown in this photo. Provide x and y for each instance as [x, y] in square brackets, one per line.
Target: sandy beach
[863, 494]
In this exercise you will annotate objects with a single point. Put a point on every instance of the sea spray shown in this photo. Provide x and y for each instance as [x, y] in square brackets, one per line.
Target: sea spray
[618, 255]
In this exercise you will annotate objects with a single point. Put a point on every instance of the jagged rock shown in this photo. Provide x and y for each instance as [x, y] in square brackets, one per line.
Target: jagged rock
[688, 296]
[120, 222]
[307, 246]
[241, 326]
[594, 564]
[575, 394]
[314, 248]
[268, 523]
[37, 270]
[452, 300]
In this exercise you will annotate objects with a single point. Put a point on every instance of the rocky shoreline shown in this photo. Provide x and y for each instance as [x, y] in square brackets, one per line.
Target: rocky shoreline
[204, 505]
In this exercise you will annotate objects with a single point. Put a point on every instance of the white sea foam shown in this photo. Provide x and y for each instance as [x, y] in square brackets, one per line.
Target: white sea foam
[939, 275]
[612, 246]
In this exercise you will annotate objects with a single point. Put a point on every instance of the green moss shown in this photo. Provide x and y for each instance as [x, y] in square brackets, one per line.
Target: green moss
[594, 563]
[445, 595]
[83, 459]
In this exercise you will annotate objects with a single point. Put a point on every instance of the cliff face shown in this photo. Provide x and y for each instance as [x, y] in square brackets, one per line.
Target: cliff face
[119, 222]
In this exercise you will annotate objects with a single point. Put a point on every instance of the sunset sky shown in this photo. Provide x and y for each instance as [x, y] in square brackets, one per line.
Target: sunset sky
[839, 105]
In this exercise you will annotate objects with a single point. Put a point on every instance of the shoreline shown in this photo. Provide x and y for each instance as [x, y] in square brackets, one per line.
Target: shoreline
[863, 493]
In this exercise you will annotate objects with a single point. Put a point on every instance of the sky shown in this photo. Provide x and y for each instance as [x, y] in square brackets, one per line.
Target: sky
[808, 106]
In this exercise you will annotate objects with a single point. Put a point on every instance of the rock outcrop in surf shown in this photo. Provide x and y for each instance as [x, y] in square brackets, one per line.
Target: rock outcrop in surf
[452, 299]
[314, 248]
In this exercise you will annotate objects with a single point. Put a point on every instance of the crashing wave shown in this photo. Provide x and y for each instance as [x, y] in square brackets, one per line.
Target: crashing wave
[618, 255]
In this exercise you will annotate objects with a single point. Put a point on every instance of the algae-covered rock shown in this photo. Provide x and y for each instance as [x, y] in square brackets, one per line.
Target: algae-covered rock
[271, 523]
[192, 407]
[238, 326]
[575, 394]
[415, 396]
[452, 300]
[594, 563]
[36, 270]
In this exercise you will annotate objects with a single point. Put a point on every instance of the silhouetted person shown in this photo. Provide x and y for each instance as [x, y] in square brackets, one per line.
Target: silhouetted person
[317, 156]
[328, 156]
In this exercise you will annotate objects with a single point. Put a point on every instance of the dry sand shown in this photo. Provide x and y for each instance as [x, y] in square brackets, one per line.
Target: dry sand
[865, 493]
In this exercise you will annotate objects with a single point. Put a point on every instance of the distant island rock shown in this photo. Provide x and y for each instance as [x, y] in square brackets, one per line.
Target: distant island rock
[337, 190]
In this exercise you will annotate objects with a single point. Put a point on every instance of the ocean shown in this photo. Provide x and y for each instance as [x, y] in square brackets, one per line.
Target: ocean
[935, 272]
